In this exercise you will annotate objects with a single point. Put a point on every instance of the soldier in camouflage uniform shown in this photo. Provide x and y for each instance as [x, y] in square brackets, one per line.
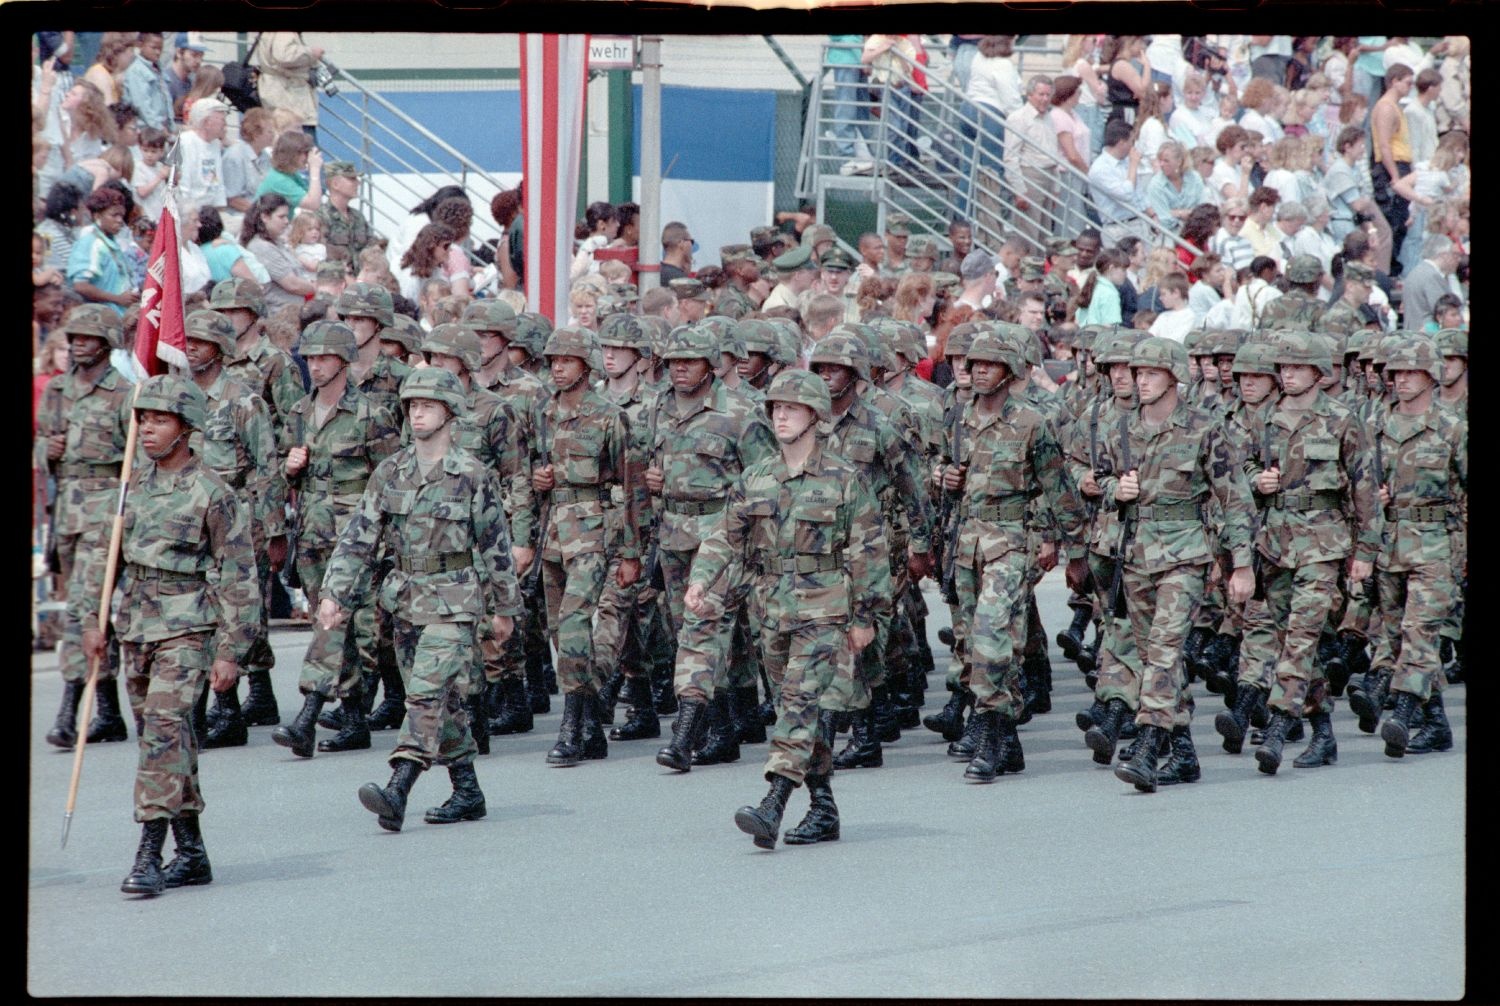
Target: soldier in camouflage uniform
[763, 356]
[402, 339]
[332, 441]
[436, 508]
[1342, 317]
[581, 453]
[1011, 457]
[346, 232]
[1424, 478]
[1453, 394]
[532, 330]
[237, 443]
[807, 531]
[702, 436]
[185, 611]
[740, 265]
[1165, 459]
[81, 423]
[1298, 308]
[693, 299]
[1203, 377]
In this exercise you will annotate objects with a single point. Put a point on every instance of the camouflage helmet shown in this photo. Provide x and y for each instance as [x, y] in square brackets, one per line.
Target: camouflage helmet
[625, 331]
[1368, 341]
[961, 338]
[1089, 336]
[757, 335]
[236, 292]
[1300, 347]
[405, 332]
[177, 395]
[992, 347]
[1333, 343]
[211, 326]
[1304, 269]
[1255, 358]
[803, 388]
[454, 340]
[1225, 343]
[723, 326]
[1155, 351]
[332, 338]
[1020, 336]
[436, 384]
[96, 320]
[690, 342]
[841, 346]
[1415, 354]
[1384, 345]
[531, 332]
[884, 332]
[1452, 342]
[572, 340]
[1197, 340]
[1118, 348]
[489, 316]
[657, 329]
[788, 344]
[366, 300]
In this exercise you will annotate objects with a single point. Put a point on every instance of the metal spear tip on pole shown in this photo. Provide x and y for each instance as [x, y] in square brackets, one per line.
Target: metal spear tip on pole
[67, 823]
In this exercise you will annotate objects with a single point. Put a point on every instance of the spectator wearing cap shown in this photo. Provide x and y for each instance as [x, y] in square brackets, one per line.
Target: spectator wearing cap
[798, 272]
[1031, 155]
[345, 229]
[921, 253]
[977, 271]
[284, 61]
[145, 84]
[293, 153]
[836, 266]
[677, 248]
[1112, 179]
[201, 174]
[897, 230]
[692, 299]
[187, 57]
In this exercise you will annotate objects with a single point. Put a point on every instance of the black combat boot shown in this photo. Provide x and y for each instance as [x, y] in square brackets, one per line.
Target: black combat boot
[108, 725]
[887, 721]
[1182, 759]
[662, 690]
[1192, 651]
[536, 688]
[260, 708]
[641, 720]
[1268, 755]
[64, 732]
[1128, 729]
[494, 702]
[822, 821]
[745, 704]
[946, 637]
[391, 711]
[146, 876]
[985, 765]
[1260, 713]
[595, 746]
[686, 729]
[332, 718]
[1435, 734]
[1335, 668]
[609, 694]
[1396, 730]
[967, 744]
[1090, 717]
[389, 803]
[300, 734]
[721, 744]
[1221, 659]
[949, 721]
[568, 750]
[229, 730]
[1071, 638]
[479, 721]
[1140, 771]
[190, 866]
[549, 673]
[1355, 651]
[1128, 751]
[354, 735]
[1323, 750]
[1102, 737]
[1039, 678]
[466, 803]
[199, 717]
[515, 709]
[1012, 758]
[763, 822]
[863, 749]
[1232, 724]
[1367, 697]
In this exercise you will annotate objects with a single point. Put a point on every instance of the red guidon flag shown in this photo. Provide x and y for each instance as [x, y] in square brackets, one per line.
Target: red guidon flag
[554, 74]
[160, 336]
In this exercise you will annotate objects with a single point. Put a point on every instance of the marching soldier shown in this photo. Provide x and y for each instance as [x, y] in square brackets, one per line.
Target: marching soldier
[1298, 308]
[185, 613]
[402, 339]
[1453, 394]
[436, 508]
[1342, 317]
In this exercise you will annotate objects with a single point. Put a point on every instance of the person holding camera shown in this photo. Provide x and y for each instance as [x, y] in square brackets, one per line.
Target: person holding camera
[286, 66]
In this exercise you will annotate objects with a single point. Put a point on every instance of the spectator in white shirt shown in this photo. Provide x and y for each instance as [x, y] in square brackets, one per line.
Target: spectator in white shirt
[1191, 120]
[1421, 125]
[1231, 175]
[1031, 155]
[1214, 286]
[1177, 320]
[1258, 291]
[1280, 176]
[201, 175]
[1259, 103]
[1112, 179]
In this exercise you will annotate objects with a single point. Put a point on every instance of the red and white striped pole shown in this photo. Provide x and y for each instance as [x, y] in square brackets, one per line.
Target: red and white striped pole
[554, 78]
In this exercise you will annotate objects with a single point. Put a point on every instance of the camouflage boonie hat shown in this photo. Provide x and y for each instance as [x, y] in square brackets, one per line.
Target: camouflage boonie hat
[992, 347]
[817, 234]
[804, 388]
[177, 395]
[571, 340]
[845, 349]
[898, 224]
[1415, 354]
[1296, 347]
[345, 169]
[454, 340]
[689, 342]
[333, 269]
[1254, 358]
[96, 320]
[1304, 269]
[756, 335]
[436, 384]
[1452, 342]
[490, 316]
[1359, 272]
[961, 338]
[837, 260]
[687, 288]
[1033, 269]
[331, 338]
[625, 331]
[365, 300]
[237, 292]
[921, 246]
[407, 333]
[763, 233]
[1154, 351]
[736, 253]
[211, 326]
[531, 332]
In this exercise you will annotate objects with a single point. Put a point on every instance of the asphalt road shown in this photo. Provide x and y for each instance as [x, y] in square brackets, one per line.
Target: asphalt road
[618, 878]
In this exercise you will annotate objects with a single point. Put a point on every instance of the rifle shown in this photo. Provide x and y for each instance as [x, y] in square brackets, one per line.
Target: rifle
[1127, 526]
[948, 582]
[533, 576]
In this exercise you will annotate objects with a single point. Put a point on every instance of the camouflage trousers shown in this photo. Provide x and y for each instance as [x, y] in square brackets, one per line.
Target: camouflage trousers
[1298, 600]
[163, 681]
[1414, 605]
[335, 658]
[1259, 649]
[261, 658]
[573, 590]
[1213, 611]
[702, 640]
[1160, 607]
[992, 596]
[436, 661]
[1361, 607]
[622, 611]
[71, 548]
[802, 664]
[1119, 661]
[1453, 625]
[851, 688]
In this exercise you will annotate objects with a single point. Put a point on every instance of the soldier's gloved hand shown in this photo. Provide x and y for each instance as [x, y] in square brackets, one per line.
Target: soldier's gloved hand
[1385, 494]
[694, 599]
[1046, 556]
[523, 557]
[1360, 569]
[503, 626]
[330, 615]
[1268, 481]
[1089, 486]
[655, 480]
[276, 552]
[918, 566]
[953, 478]
[628, 573]
[860, 637]
[1241, 585]
[223, 675]
[1129, 487]
[1076, 574]
[296, 460]
[93, 644]
[541, 479]
[55, 445]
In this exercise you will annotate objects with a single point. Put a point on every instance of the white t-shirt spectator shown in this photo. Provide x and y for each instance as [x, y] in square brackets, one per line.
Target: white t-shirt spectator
[1190, 128]
[1223, 174]
[1174, 325]
[1268, 127]
[1202, 299]
[151, 205]
[201, 177]
[994, 81]
[1285, 183]
[1408, 54]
